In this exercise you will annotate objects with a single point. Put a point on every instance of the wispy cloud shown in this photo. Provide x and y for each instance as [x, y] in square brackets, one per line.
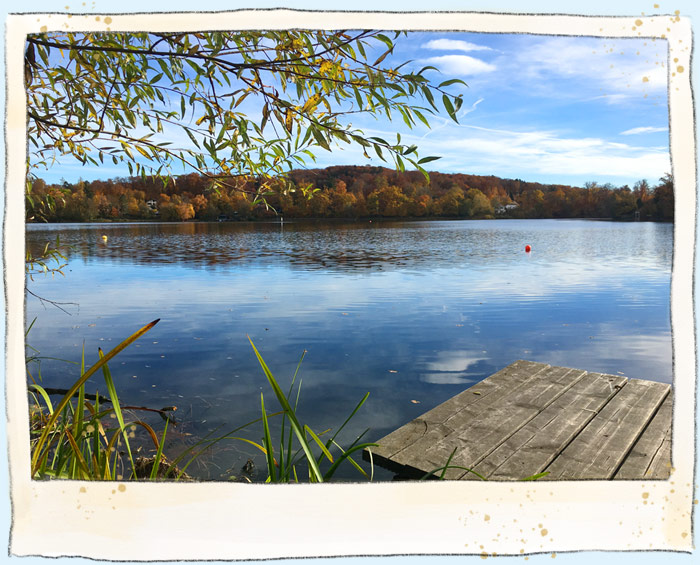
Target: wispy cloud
[454, 45]
[460, 65]
[545, 152]
[614, 66]
[647, 129]
[612, 98]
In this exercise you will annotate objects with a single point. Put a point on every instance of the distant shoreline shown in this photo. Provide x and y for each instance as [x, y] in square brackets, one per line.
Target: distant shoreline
[368, 219]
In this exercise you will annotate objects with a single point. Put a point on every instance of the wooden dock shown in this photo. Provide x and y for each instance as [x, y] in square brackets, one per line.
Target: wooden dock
[529, 418]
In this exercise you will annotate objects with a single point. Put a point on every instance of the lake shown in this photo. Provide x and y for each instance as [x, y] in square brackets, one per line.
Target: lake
[411, 312]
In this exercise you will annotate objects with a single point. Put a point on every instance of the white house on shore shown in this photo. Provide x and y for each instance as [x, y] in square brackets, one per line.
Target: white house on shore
[506, 208]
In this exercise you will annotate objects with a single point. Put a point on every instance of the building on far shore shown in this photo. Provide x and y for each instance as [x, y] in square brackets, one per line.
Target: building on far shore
[506, 208]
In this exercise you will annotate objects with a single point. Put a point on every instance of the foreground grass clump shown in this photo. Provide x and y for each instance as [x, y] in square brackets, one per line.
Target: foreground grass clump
[76, 437]
[71, 439]
[299, 445]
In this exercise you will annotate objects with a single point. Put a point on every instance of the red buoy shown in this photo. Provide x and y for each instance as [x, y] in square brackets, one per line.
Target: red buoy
[528, 249]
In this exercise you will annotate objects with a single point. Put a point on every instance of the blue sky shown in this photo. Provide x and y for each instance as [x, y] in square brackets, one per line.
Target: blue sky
[550, 109]
[543, 108]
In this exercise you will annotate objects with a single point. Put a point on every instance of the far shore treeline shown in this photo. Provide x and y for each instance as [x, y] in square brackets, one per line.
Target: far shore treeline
[347, 192]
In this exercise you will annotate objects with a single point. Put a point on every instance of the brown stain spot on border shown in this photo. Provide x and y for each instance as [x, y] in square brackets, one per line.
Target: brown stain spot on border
[121, 488]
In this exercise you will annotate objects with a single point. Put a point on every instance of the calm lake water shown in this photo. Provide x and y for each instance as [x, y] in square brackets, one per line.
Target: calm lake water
[411, 312]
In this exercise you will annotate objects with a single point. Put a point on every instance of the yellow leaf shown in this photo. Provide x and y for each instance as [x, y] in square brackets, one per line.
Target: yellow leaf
[311, 103]
[288, 120]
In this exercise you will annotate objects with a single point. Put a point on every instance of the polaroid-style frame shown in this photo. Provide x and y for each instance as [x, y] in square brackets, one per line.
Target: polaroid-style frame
[169, 521]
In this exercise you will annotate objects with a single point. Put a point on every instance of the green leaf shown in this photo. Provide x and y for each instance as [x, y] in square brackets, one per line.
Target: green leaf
[449, 107]
[452, 81]
[428, 160]
[378, 151]
[400, 164]
[383, 56]
[421, 117]
[384, 39]
[320, 139]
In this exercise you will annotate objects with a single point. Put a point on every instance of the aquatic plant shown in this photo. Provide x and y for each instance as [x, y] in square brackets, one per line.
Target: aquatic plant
[308, 449]
[72, 439]
[443, 469]
[299, 448]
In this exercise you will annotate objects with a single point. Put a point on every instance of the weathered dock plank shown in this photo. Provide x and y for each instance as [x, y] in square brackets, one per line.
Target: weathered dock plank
[650, 458]
[531, 417]
[601, 448]
[475, 438]
[532, 448]
[430, 427]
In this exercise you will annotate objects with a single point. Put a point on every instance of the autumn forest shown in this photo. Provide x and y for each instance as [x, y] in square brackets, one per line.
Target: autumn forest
[344, 192]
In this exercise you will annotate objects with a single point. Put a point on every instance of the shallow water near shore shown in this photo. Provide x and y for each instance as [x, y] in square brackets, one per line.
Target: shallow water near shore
[411, 312]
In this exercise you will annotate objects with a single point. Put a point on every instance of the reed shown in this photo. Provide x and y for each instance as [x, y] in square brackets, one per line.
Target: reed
[298, 445]
[71, 439]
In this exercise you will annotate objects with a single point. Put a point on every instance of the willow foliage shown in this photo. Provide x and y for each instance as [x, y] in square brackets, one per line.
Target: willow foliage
[237, 106]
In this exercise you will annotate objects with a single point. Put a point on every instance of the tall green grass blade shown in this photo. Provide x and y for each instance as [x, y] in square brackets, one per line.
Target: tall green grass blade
[78, 457]
[78, 421]
[345, 456]
[44, 395]
[159, 455]
[286, 454]
[39, 446]
[271, 471]
[117, 408]
[352, 414]
[318, 441]
[314, 472]
[449, 460]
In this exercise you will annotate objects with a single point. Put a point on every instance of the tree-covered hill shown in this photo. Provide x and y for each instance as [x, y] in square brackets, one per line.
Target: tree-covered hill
[346, 192]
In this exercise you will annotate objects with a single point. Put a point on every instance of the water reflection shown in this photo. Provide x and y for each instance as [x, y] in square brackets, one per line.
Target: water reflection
[411, 312]
[359, 246]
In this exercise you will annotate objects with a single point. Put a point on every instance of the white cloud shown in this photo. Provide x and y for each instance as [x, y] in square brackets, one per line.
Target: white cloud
[647, 129]
[618, 66]
[454, 45]
[460, 65]
[545, 152]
